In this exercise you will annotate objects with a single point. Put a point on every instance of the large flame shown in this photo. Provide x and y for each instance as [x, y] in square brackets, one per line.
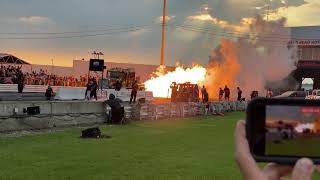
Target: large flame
[160, 84]
[224, 70]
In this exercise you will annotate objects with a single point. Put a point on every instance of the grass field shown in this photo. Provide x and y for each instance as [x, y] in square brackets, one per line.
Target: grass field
[196, 148]
[295, 147]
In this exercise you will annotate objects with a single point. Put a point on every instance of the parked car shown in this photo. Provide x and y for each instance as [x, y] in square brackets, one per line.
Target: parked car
[293, 95]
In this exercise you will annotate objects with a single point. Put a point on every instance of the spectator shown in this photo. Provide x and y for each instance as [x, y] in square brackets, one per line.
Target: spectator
[227, 93]
[20, 80]
[88, 90]
[94, 89]
[269, 93]
[118, 85]
[303, 169]
[254, 94]
[239, 98]
[117, 110]
[134, 92]
[221, 92]
[49, 93]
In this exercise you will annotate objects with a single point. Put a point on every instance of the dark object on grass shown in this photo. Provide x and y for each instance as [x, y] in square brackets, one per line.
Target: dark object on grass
[91, 133]
[277, 142]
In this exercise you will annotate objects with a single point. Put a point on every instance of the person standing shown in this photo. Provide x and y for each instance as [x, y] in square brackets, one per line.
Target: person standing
[88, 90]
[118, 85]
[227, 93]
[239, 94]
[203, 92]
[174, 91]
[196, 93]
[94, 88]
[49, 93]
[134, 92]
[20, 80]
[269, 93]
[206, 97]
[221, 94]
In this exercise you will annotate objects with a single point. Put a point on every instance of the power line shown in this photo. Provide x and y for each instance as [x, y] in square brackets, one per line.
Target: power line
[230, 35]
[273, 38]
[250, 32]
[274, 44]
[240, 34]
[106, 32]
[73, 32]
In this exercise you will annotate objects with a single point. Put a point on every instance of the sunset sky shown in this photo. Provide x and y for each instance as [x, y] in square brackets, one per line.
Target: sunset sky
[129, 30]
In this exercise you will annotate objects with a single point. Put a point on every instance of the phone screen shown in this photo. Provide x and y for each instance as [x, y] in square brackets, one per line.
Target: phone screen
[292, 131]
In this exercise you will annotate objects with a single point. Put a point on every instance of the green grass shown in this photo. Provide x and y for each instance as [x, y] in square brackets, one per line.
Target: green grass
[195, 148]
[296, 147]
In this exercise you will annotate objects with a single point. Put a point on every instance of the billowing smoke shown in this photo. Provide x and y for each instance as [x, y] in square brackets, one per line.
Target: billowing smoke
[252, 59]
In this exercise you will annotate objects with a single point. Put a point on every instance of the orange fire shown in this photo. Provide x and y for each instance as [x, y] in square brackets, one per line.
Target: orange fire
[223, 73]
[160, 84]
[216, 75]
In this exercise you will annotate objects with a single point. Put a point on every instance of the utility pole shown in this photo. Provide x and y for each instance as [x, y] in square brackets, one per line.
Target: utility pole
[268, 4]
[163, 31]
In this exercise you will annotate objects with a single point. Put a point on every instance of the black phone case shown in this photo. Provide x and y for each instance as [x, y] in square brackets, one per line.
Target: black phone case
[275, 101]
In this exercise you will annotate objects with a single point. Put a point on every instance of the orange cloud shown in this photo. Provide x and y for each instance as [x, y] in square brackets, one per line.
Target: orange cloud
[243, 26]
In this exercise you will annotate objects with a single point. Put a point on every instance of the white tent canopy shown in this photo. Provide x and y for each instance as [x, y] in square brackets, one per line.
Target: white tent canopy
[10, 59]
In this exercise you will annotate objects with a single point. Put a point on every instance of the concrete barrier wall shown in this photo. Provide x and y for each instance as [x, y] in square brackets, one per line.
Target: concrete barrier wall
[170, 110]
[76, 113]
[52, 114]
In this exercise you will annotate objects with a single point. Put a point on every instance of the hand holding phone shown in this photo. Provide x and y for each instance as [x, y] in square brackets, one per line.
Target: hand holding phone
[283, 130]
[302, 170]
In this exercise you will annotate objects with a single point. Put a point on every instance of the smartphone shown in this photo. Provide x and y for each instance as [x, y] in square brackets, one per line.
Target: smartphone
[283, 130]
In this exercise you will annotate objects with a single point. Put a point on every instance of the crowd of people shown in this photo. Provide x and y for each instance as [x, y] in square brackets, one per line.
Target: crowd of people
[10, 74]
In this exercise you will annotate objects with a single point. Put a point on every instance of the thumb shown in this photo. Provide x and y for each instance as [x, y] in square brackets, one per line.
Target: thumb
[303, 170]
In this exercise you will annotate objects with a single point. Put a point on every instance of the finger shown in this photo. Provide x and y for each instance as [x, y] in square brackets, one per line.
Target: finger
[246, 163]
[276, 171]
[303, 170]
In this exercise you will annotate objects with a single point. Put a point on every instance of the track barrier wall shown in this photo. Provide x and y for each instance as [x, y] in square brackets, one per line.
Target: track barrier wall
[59, 114]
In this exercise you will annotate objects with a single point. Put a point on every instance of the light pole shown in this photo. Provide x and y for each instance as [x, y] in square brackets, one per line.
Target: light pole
[163, 31]
[51, 66]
